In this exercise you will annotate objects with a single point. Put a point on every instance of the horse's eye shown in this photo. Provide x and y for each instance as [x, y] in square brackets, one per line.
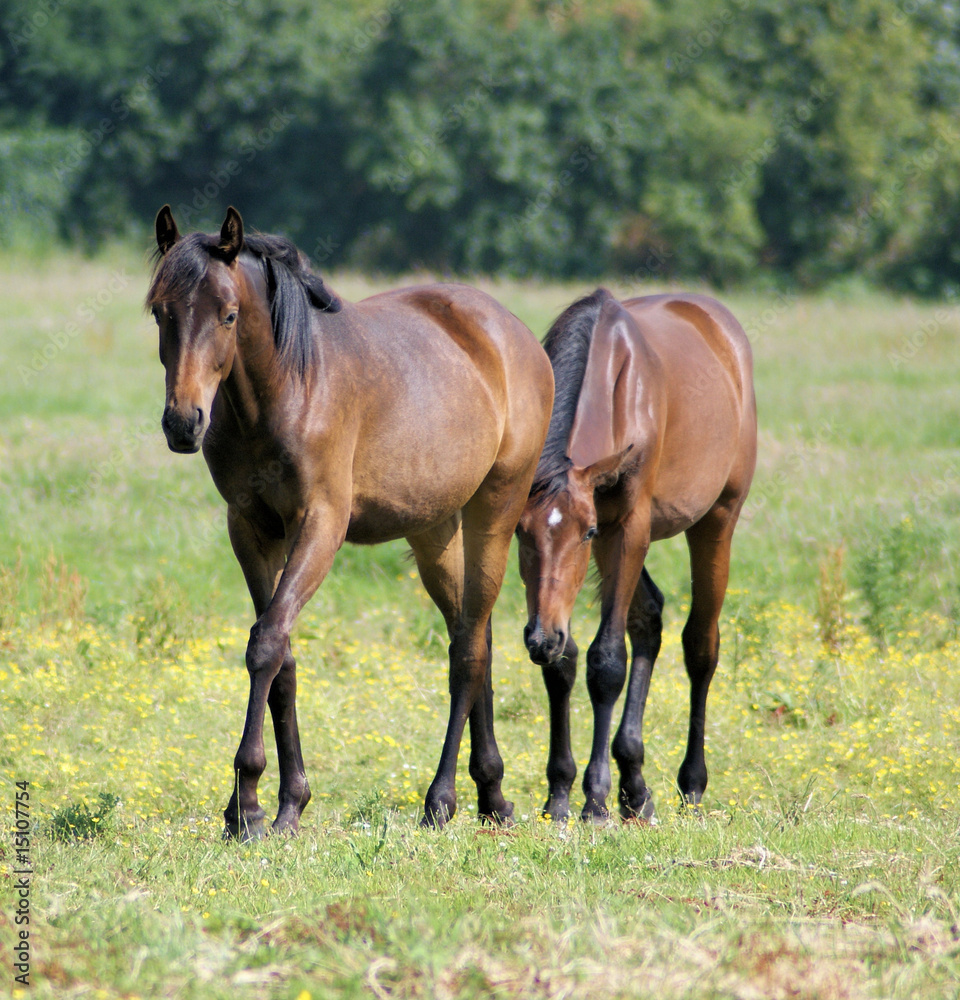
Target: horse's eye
[591, 533]
[230, 319]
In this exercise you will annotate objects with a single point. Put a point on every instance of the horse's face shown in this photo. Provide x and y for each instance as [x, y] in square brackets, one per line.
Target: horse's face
[198, 340]
[198, 333]
[554, 538]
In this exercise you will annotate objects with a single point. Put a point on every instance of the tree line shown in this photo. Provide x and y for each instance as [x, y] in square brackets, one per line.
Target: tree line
[725, 141]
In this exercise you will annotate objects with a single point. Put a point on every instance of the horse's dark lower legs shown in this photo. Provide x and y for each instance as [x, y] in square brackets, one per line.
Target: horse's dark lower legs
[619, 554]
[486, 764]
[644, 625]
[271, 665]
[606, 673]
[243, 816]
[441, 560]
[709, 543]
[558, 678]
[294, 792]
[469, 675]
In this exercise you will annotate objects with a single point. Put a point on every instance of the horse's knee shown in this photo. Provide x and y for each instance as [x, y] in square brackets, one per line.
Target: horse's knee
[701, 649]
[267, 650]
[606, 669]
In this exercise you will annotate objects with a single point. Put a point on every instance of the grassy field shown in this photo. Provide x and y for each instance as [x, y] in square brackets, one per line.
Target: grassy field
[825, 863]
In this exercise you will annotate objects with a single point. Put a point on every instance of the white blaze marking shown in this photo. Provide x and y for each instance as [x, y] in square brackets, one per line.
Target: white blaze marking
[555, 518]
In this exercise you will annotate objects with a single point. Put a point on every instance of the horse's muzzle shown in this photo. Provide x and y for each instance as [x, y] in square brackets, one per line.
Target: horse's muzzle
[544, 647]
[184, 433]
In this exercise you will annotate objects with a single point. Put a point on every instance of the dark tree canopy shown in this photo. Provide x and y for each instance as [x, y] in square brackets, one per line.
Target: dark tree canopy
[718, 141]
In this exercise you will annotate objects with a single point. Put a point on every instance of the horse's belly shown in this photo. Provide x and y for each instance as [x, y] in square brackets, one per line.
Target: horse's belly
[414, 488]
[670, 517]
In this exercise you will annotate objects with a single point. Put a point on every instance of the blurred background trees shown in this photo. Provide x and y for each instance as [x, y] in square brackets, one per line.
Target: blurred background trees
[720, 141]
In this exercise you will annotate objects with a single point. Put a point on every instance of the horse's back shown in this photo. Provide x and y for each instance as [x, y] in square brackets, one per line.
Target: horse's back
[708, 422]
[697, 335]
[459, 324]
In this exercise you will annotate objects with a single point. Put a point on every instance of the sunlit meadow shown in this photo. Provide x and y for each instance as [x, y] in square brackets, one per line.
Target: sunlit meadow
[825, 862]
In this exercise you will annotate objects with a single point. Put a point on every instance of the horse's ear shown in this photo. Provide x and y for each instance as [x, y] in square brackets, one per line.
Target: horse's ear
[231, 236]
[607, 470]
[167, 232]
[321, 296]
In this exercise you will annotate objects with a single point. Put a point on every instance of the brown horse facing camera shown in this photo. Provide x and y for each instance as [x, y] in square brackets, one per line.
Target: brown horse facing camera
[418, 414]
[654, 432]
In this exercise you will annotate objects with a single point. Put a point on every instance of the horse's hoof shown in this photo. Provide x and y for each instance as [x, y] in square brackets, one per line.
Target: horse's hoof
[249, 827]
[644, 812]
[437, 815]
[285, 828]
[502, 815]
[556, 810]
[502, 820]
[596, 814]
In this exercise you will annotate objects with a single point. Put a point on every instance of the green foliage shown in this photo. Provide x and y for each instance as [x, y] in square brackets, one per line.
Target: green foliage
[889, 567]
[695, 140]
[77, 821]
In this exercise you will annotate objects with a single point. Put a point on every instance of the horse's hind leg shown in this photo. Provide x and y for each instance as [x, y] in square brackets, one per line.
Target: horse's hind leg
[644, 625]
[709, 544]
[439, 556]
[488, 524]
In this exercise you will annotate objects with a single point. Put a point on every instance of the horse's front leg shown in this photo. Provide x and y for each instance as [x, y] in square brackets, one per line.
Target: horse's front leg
[619, 552]
[272, 673]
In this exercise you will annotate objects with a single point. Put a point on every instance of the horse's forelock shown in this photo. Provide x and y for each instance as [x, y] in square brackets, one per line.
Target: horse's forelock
[180, 270]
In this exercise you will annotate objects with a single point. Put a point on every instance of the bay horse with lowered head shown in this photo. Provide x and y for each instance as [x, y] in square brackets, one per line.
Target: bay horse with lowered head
[417, 414]
[653, 432]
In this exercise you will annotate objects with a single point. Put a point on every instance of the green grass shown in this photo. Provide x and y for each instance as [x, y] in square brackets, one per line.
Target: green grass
[826, 861]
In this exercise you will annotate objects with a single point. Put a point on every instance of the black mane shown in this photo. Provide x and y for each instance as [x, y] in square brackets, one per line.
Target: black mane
[567, 344]
[292, 288]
